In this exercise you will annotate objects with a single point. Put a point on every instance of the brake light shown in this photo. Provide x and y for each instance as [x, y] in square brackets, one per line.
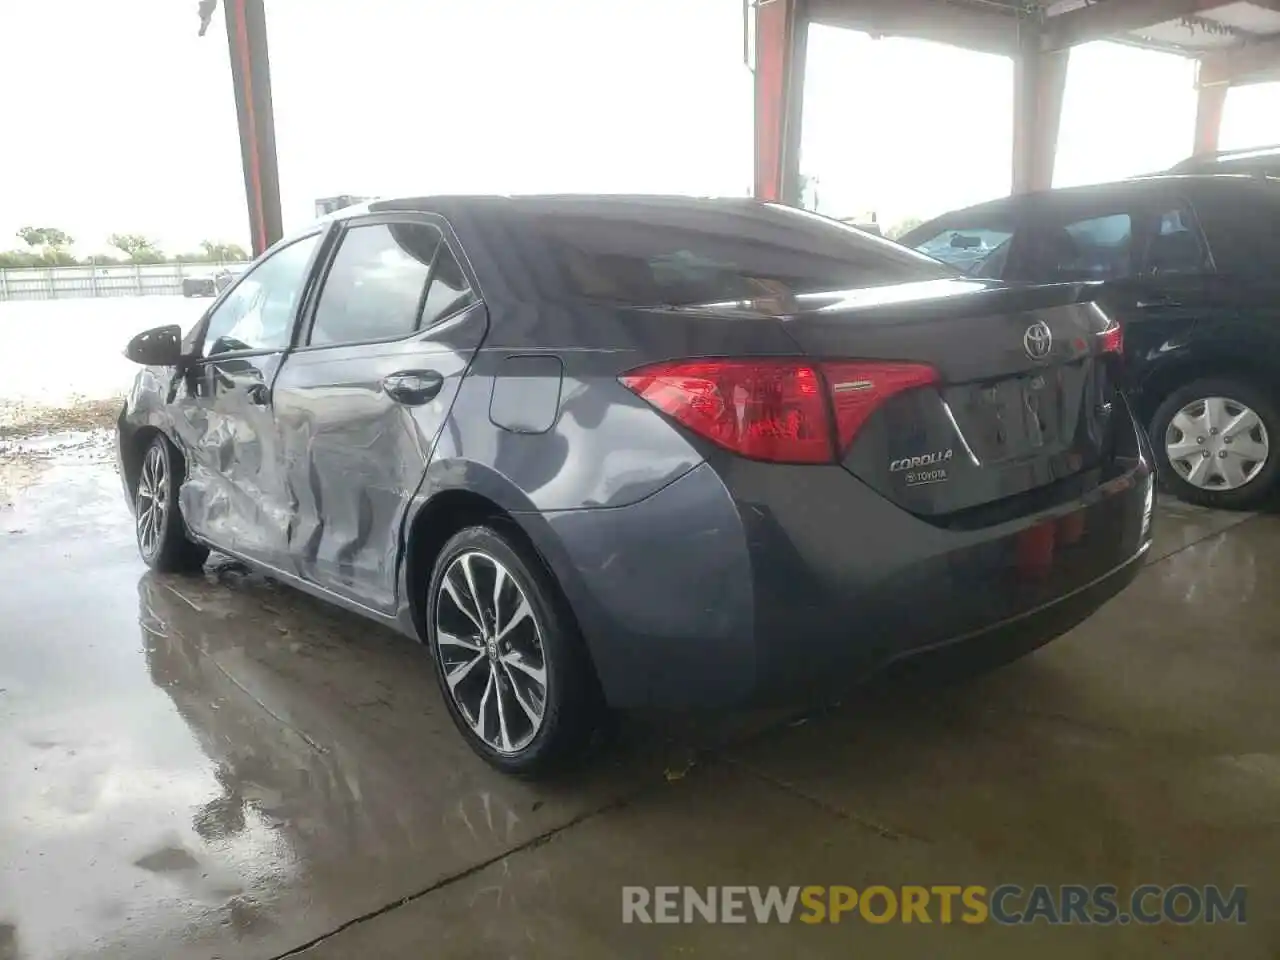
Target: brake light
[1111, 340]
[763, 409]
[778, 410]
[859, 388]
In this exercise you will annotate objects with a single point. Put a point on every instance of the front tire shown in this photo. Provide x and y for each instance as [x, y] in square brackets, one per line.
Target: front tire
[158, 525]
[512, 667]
[1215, 442]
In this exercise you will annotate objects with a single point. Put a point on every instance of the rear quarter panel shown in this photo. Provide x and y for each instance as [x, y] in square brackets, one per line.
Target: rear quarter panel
[604, 446]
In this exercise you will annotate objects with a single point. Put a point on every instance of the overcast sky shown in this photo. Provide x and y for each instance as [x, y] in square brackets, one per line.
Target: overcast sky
[117, 118]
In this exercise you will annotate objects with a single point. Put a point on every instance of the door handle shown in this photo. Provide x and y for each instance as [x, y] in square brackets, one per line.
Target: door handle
[1158, 302]
[412, 387]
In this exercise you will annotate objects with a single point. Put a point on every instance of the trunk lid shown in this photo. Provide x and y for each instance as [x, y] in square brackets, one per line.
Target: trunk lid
[1023, 402]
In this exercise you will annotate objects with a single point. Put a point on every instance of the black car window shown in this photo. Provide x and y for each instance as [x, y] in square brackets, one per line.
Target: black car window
[977, 251]
[1176, 246]
[1241, 226]
[662, 253]
[376, 285]
[448, 291]
[1096, 248]
[258, 313]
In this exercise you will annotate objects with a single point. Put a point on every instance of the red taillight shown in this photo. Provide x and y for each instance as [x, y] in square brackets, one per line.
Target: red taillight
[764, 409]
[1111, 340]
[858, 388]
[775, 409]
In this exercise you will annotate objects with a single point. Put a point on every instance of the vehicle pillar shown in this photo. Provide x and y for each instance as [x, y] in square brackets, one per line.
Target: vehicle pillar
[781, 37]
[1039, 79]
[1210, 99]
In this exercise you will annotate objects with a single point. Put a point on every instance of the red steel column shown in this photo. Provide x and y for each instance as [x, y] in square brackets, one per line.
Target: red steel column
[782, 33]
[251, 78]
[1210, 100]
[1039, 80]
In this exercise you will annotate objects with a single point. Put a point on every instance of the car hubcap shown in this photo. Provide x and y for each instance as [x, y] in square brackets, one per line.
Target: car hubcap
[153, 501]
[490, 648]
[1217, 444]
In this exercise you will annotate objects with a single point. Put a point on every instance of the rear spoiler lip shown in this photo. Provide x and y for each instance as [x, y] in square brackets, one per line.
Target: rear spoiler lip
[930, 297]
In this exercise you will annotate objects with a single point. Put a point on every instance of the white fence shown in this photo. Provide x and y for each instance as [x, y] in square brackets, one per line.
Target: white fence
[123, 280]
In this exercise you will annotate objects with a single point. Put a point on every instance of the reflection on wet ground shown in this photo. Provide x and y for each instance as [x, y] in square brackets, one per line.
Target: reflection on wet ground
[220, 766]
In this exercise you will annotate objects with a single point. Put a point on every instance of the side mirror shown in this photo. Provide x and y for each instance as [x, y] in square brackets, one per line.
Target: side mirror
[157, 347]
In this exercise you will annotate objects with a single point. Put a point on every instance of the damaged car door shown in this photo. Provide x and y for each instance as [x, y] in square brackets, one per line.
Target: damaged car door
[235, 496]
[362, 398]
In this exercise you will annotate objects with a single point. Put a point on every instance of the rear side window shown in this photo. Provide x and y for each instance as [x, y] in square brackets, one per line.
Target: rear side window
[1176, 246]
[1243, 228]
[1092, 248]
[975, 250]
[387, 281]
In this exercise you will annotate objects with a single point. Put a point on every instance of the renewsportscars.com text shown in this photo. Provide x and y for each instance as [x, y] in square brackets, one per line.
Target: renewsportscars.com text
[1007, 904]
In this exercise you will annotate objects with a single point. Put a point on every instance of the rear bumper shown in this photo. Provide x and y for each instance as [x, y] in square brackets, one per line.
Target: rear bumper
[763, 583]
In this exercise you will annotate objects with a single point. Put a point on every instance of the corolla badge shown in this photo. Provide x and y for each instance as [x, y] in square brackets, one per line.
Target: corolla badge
[925, 460]
[1038, 340]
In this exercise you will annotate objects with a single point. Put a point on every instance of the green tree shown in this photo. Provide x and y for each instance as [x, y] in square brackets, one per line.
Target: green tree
[51, 243]
[136, 247]
[45, 238]
[222, 252]
[20, 258]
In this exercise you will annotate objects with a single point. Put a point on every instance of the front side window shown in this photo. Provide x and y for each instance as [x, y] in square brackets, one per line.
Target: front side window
[386, 281]
[976, 251]
[259, 313]
[1094, 248]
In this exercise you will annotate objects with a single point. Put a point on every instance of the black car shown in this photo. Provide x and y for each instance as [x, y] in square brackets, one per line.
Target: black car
[628, 452]
[210, 284]
[1257, 162]
[1191, 268]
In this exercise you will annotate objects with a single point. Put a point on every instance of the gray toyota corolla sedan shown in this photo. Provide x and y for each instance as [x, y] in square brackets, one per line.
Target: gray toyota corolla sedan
[619, 452]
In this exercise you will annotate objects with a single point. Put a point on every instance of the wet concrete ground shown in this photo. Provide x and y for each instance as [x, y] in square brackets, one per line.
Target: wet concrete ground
[221, 767]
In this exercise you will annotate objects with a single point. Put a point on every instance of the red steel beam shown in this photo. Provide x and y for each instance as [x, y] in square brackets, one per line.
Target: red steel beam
[251, 80]
[782, 30]
[1039, 80]
[1209, 103]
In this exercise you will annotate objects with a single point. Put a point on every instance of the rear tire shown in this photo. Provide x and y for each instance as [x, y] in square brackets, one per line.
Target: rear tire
[511, 664]
[1237, 424]
[158, 524]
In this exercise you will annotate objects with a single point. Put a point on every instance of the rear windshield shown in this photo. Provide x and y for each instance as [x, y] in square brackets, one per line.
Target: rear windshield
[700, 253]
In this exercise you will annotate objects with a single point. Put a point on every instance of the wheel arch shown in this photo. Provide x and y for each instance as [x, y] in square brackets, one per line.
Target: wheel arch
[429, 529]
[1162, 382]
[133, 449]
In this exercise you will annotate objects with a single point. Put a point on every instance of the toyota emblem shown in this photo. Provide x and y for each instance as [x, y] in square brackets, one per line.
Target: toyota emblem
[1038, 340]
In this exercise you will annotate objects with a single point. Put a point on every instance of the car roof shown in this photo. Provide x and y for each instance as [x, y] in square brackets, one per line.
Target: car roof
[1202, 162]
[570, 203]
[1197, 184]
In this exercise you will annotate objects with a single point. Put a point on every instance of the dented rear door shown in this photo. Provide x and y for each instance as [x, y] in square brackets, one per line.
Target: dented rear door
[360, 402]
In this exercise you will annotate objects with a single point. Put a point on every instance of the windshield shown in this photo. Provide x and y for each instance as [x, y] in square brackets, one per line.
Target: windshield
[703, 252]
